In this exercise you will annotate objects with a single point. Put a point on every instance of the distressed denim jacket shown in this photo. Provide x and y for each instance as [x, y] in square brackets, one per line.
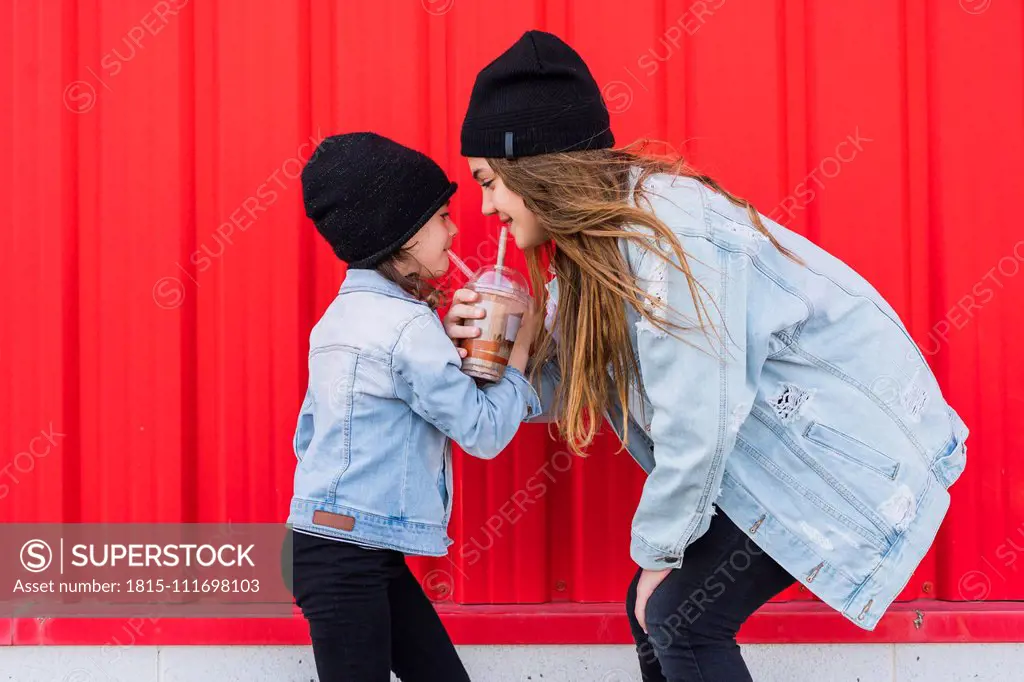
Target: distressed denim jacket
[808, 415]
[386, 394]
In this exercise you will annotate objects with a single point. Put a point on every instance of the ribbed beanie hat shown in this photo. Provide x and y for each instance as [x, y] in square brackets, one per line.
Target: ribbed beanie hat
[537, 97]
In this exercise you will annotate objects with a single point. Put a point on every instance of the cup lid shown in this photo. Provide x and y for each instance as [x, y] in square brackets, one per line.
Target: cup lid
[500, 279]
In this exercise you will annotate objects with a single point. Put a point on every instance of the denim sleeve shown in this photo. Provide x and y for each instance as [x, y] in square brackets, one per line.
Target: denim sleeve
[697, 385]
[550, 376]
[549, 372]
[427, 372]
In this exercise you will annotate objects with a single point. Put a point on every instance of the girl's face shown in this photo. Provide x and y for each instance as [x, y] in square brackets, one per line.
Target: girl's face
[427, 252]
[507, 205]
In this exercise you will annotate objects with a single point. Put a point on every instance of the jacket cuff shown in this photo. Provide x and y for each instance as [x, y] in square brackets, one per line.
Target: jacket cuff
[533, 405]
[650, 558]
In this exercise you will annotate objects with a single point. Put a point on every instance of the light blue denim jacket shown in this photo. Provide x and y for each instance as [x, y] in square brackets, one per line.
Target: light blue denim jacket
[385, 395]
[810, 418]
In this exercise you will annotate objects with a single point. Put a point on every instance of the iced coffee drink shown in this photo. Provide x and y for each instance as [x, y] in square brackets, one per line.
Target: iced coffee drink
[505, 298]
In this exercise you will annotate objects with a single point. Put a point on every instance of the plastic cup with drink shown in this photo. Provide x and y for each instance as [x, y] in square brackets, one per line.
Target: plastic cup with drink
[505, 298]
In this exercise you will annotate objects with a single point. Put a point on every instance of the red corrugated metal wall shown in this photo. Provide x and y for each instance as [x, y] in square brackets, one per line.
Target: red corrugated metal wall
[159, 277]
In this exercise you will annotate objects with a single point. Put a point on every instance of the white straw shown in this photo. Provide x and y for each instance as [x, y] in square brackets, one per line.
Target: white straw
[501, 252]
[459, 264]
[501, 245]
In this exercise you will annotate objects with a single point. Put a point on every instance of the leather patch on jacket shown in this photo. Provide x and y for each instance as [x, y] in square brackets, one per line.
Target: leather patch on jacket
[332, 520]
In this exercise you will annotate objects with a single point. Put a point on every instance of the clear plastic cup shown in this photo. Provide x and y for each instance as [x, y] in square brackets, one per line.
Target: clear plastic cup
[505, 297]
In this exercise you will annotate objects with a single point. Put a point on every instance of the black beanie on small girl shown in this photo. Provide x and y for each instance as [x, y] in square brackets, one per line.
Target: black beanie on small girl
[367, 195]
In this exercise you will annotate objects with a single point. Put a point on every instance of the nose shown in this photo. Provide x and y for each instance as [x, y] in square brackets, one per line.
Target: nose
[486, 207]
[453, 229]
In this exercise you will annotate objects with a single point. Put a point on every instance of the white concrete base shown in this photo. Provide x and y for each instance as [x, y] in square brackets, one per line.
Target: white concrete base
[768, 663]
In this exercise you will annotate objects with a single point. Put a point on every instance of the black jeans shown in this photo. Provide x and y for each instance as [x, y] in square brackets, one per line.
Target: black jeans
[694, 614]
[368, 615]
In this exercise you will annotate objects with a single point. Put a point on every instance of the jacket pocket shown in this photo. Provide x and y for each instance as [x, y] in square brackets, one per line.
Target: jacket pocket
[304, 427]
[444, 480]
[852, 449]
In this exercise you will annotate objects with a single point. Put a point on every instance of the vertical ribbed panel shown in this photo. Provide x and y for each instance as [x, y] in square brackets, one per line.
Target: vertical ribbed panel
[159, 278]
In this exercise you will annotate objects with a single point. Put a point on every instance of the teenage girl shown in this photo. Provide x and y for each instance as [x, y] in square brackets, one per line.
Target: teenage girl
[748, 372]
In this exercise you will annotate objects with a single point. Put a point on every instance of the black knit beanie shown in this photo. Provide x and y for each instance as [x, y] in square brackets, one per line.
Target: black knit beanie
[368, 195]
[538, 97]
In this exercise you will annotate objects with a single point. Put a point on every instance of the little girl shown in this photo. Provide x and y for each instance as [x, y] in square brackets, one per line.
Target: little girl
[386, 396]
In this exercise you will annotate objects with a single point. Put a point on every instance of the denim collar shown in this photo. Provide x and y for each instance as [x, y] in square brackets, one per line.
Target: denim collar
[361, 279]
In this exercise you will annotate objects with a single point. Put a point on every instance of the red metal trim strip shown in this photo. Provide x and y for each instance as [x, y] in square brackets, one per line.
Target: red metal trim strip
[782, 623]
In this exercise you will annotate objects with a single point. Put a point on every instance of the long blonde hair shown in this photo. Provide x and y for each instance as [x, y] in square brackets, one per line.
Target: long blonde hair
[582, 201]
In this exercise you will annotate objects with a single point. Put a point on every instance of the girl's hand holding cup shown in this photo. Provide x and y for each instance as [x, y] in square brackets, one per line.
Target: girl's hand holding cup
[533, 320]
[462, 309]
